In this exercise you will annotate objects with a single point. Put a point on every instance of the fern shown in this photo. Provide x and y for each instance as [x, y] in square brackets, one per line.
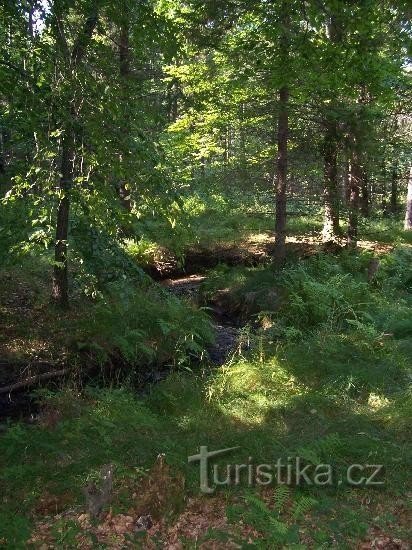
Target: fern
[302, 506]
[282, 493]
[325, 449]
[309, 454]
[278, 525]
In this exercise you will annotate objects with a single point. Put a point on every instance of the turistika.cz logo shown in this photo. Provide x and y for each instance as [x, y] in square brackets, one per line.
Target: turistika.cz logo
[292, 471]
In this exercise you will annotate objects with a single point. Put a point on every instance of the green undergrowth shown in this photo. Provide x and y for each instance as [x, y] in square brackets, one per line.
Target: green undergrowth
[127, 319]
[329, 292]
[198, 220]
[327, 380]
[278, 407]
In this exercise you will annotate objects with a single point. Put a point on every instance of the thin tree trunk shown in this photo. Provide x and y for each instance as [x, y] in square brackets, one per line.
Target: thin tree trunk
[30, 25]
[330, 150]
[364, 197]
[242, 143]
[279, 252]
[331, 191]
[227, 144]
[60, 283]
[346, 181]
[60, 290]
[281, 176]
[355, 177]
[394, 190]
[408, 215]
[2, 155]
[124, 70]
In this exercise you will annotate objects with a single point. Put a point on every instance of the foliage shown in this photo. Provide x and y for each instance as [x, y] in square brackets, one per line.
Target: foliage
[134, 134]
[276, 525]
[146, 325]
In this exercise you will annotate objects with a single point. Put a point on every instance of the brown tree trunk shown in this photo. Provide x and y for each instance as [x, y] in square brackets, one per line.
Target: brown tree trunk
[394, 190]
[331, 192]
[408, 215]
[60, 271]
[60, 291]
[281, 177]
[355, 178]
[124, 70]
[364, 197]
[346, 180]
[330, 150]
[2, 155]
[228, 144]
[279, 252]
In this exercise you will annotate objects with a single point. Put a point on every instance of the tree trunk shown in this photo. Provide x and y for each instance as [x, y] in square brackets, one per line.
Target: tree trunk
[394, 190]
[355, 177]
[60, 290]
[2, 155]
[408, 215]
[281, 177]
[331, 192]
[346, 180]
[279, 252]
[330, 149]
[364, 198]
[124, 70]
[60, 283]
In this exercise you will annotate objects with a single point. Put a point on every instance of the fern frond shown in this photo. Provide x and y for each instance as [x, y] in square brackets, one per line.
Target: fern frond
[302, 506]
[280, 496]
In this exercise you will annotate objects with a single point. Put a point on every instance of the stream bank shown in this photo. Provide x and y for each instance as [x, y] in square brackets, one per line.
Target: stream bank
[21, 402]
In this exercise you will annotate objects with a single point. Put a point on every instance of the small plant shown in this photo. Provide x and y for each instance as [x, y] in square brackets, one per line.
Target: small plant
[147, 325]
[275, 519]
[143, 251]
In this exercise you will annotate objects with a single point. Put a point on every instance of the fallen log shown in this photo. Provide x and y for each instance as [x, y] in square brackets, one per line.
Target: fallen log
[32, 380]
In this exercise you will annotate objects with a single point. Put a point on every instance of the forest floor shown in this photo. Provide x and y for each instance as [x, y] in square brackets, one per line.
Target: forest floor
[313, 362]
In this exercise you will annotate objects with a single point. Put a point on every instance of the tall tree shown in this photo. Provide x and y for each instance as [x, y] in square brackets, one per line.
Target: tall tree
[71, 61]
[125, 75]
[279, 252]
[330, 191]
[353, 207]
[331, 141]
[408, 214]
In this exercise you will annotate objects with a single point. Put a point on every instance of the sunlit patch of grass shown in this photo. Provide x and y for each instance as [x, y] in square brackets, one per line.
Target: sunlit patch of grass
[308, 224]
[268, 379]
[143, 250]
[385, 230]
[250, 391]
[377, 402]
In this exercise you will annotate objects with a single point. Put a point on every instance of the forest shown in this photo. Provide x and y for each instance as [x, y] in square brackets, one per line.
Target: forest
[205, 274]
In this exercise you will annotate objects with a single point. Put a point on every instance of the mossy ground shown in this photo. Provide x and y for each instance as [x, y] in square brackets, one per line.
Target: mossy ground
[326, 377]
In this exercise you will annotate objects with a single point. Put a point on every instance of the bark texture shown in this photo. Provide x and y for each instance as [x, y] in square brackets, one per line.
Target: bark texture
[124, 70]
[60, 285]
[408, 215]
[330, 191]
[60, 290]
[279, 252]
[355, 178]
[281, 176]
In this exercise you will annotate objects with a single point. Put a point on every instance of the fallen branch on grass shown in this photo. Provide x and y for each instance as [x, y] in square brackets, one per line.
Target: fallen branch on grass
[32, 380]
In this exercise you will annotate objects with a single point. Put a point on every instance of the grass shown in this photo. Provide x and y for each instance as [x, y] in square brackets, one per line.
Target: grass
[129, 319]
[327, 380]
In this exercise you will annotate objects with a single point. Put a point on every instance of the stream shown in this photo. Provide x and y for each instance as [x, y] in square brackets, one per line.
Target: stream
[21, 404]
